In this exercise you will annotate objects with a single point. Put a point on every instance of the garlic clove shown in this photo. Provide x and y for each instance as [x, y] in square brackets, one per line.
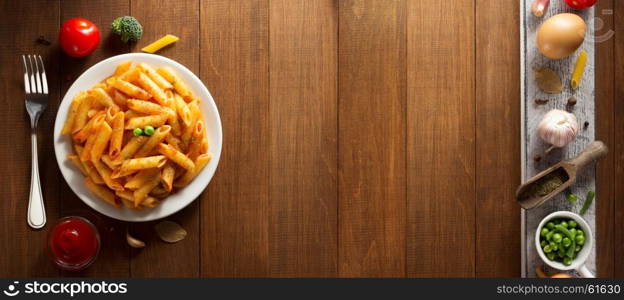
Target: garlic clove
[134, 242]
[558, 128]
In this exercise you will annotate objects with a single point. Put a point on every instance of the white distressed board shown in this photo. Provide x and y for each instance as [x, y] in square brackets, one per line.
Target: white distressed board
[532, 114]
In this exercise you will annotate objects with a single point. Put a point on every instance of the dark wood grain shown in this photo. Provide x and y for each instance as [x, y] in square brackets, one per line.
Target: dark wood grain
[618, 137]
[113, 259]
[498, 124]
[180, 18]
[23, 249]
[303, 147]
[235, 207]
[371, 89]
[441, 138]
[605, 119]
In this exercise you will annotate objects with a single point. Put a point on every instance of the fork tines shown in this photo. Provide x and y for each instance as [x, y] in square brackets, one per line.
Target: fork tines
[35, 80]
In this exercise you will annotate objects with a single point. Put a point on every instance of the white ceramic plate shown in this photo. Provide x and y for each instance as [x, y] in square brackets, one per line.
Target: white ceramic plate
[177, 200]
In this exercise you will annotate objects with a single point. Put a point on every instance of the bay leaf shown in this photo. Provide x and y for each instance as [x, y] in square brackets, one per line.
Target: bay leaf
[170, 232]
[548, 81]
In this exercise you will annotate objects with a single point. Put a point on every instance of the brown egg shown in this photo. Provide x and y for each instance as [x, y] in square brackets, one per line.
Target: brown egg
[561, 35]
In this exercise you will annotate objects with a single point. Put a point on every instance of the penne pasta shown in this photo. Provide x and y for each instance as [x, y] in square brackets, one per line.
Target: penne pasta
[151, 87]
[176, 156]
[81, 115]
[183, 110]
[579, 69]
[159, 192]
[166, 176]
[188, 131]
[145, 107]
[197, 136]
[153, 141]
[141, 122]
[200, 163]
[71, 116]
[103, 134]
[130, 166]
[108, 161]
[122, 68]
[77, 163]
[120, 99]
[131, 89]
[179, 86]
[100, 95]
[102, 192]
[105, 173]
[157, 78]
[150, 202]
[130, 149]
[86, 152]
[82, 135]
[141, 193]
[116, 140]
[140, 178]
[88, 167]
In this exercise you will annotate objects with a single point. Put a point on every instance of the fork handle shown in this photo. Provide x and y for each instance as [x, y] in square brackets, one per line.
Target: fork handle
[36, 209]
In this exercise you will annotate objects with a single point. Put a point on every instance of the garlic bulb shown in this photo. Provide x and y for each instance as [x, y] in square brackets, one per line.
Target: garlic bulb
[558, 128]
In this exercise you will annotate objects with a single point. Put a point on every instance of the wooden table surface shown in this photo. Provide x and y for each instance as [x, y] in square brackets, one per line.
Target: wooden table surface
[361, 138]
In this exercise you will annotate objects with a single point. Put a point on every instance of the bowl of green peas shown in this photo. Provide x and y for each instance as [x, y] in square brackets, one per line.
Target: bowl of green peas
[564, 241]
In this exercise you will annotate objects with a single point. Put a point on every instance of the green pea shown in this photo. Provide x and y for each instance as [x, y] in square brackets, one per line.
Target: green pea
[551, 256]
[563, 230]
[567, 261]
[553, 246]
[564, 224]
[547, 249]
[580, 239]
[566, 242]
[573, 231]
[149, 130]
[550, 225]
[544, 232]
[543, 243]
[580, 232]
[137, 131]
[578, 248]
[557, 237]
[572, 224]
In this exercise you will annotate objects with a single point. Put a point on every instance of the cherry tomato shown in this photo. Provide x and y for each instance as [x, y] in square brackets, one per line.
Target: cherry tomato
[581, 4]
[79, 37]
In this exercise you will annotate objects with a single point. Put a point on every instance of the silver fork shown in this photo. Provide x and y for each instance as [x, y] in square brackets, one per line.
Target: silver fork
[36, 86]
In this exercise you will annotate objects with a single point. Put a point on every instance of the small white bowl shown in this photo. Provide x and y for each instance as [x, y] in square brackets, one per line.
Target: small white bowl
[578, 263]
[177, 200]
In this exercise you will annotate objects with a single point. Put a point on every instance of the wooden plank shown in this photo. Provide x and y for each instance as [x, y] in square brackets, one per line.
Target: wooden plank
[235, 207]
[113, 260]
[533, 114]
[497, 138]
[371, 173]
[441, 139]
[23, 249]
[180, 18]
[618, 137]
[604, 132]
[303, 150]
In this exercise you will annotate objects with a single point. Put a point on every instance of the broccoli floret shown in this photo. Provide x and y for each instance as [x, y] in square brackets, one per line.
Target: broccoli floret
[128, 27]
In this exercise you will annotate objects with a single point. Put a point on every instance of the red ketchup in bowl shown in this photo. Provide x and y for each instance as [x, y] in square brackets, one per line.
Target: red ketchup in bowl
[74, 243]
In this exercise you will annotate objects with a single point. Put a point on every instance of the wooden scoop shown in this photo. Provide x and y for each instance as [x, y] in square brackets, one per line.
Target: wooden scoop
[566, 170]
